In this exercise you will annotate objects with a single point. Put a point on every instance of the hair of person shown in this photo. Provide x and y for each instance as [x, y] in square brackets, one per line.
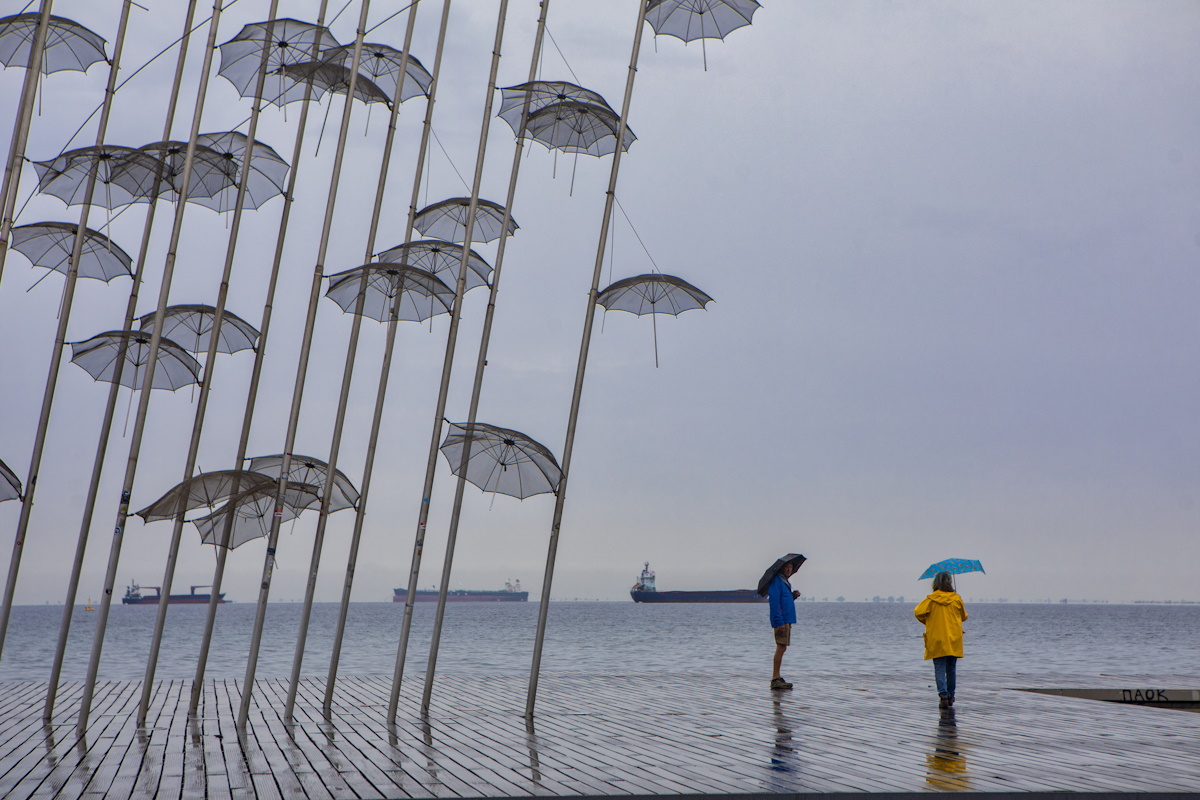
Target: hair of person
[942, 582]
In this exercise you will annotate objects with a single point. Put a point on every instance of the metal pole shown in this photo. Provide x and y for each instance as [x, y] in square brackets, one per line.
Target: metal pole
[135, 443]
[444, 389]
[210, 362]
[301, 372]
[347, 376]
[588, 320]
[480, 364]
[252, 392]
[68, 296]
[20, 136]
[385, 371]
[113, 392]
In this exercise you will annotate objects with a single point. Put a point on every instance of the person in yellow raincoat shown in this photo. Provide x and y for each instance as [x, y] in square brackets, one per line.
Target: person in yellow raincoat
[942, 613]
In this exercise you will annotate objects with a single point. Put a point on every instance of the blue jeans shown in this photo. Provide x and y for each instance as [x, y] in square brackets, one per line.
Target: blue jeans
[943, 673]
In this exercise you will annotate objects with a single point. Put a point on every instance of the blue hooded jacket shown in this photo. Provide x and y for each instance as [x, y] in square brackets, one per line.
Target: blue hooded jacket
[783, 606]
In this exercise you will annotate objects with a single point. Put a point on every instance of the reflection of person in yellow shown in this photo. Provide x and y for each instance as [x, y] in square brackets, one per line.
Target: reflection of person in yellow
[945, 766]
[942, 613]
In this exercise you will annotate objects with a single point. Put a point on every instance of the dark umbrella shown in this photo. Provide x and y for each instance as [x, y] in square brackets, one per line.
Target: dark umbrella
[794, 559]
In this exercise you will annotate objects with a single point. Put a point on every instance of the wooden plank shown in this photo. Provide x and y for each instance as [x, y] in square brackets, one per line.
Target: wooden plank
[593, 735]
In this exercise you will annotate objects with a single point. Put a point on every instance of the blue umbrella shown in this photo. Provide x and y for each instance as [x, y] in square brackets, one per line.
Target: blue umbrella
[955, 566]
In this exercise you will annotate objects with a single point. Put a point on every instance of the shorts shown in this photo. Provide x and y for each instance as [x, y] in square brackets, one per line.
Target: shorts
[783, 634]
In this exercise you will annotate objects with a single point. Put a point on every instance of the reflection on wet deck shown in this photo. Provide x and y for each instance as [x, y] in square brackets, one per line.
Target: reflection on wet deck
[599, 735]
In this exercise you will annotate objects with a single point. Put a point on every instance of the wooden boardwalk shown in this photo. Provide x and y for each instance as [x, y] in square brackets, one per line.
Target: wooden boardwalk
[600, 736]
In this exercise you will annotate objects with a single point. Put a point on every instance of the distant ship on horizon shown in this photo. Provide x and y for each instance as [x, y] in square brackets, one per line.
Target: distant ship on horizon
[509, 594]
[644, 591]
[134, 597]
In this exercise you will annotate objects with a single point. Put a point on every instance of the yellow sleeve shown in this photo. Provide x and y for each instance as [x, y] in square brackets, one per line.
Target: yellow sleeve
[921, 612]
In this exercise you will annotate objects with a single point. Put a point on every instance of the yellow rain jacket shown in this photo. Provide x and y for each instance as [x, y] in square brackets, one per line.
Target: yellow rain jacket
[942, 613]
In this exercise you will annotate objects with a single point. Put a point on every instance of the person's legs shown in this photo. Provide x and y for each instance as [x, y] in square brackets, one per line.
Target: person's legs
[939, 675]
[782, 640]
[951, 675]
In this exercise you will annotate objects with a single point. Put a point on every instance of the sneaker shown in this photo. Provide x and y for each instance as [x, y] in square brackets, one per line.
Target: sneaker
[951, 699]
[780, 683]
[944, 701]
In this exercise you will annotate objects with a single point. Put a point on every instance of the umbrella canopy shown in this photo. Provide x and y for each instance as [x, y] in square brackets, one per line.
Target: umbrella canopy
[541, 94]
[448, 220]
[291, 41]
[206, 490]
[124, 175]
[955, 566]
[268, 171]
[99, 356]
[10, 484]
[795, 559]
[191, 326]
[652, 294]
[326, 77]
[501, 460]
[440, 258]
[309, 471]
[252, 511]
[699, 19]
[211, 174]
[412, 294]
[576, 127]
[69, 45]
[381, 64]
[49, 245]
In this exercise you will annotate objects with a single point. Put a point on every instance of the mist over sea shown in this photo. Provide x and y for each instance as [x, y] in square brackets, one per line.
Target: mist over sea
[615, 638]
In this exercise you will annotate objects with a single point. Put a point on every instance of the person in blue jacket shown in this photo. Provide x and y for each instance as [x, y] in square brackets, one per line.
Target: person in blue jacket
[782, 600]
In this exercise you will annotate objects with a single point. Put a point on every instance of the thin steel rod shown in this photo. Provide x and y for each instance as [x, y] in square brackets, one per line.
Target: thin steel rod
[384, 373]
[139, 426]
[301, 373]
[447, 368]
[585, 342]
[20, 136]
[210, 362]
[480, 364]
[114, 390]
[347, 375]
[260, 351]
[60, 340]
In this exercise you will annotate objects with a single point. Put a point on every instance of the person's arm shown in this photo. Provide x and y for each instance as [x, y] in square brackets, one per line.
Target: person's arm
[921, 612]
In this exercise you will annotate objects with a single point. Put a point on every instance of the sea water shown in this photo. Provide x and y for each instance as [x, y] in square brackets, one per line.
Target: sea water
[617, 638]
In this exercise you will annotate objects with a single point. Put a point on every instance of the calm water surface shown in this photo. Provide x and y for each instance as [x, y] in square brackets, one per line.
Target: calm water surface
[619, 638]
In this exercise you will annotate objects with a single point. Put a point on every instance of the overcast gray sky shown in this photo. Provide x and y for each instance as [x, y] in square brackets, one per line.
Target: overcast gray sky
[953, 250]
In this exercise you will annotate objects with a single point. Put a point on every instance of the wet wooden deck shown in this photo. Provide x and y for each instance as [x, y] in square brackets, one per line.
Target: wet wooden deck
[603, 736]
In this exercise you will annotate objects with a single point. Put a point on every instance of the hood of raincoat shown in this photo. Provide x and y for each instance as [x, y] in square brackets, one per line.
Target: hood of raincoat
[945, 598]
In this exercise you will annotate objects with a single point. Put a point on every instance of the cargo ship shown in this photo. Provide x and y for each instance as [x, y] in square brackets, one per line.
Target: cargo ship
[510, 593]
[644, 591]
[134, 597]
